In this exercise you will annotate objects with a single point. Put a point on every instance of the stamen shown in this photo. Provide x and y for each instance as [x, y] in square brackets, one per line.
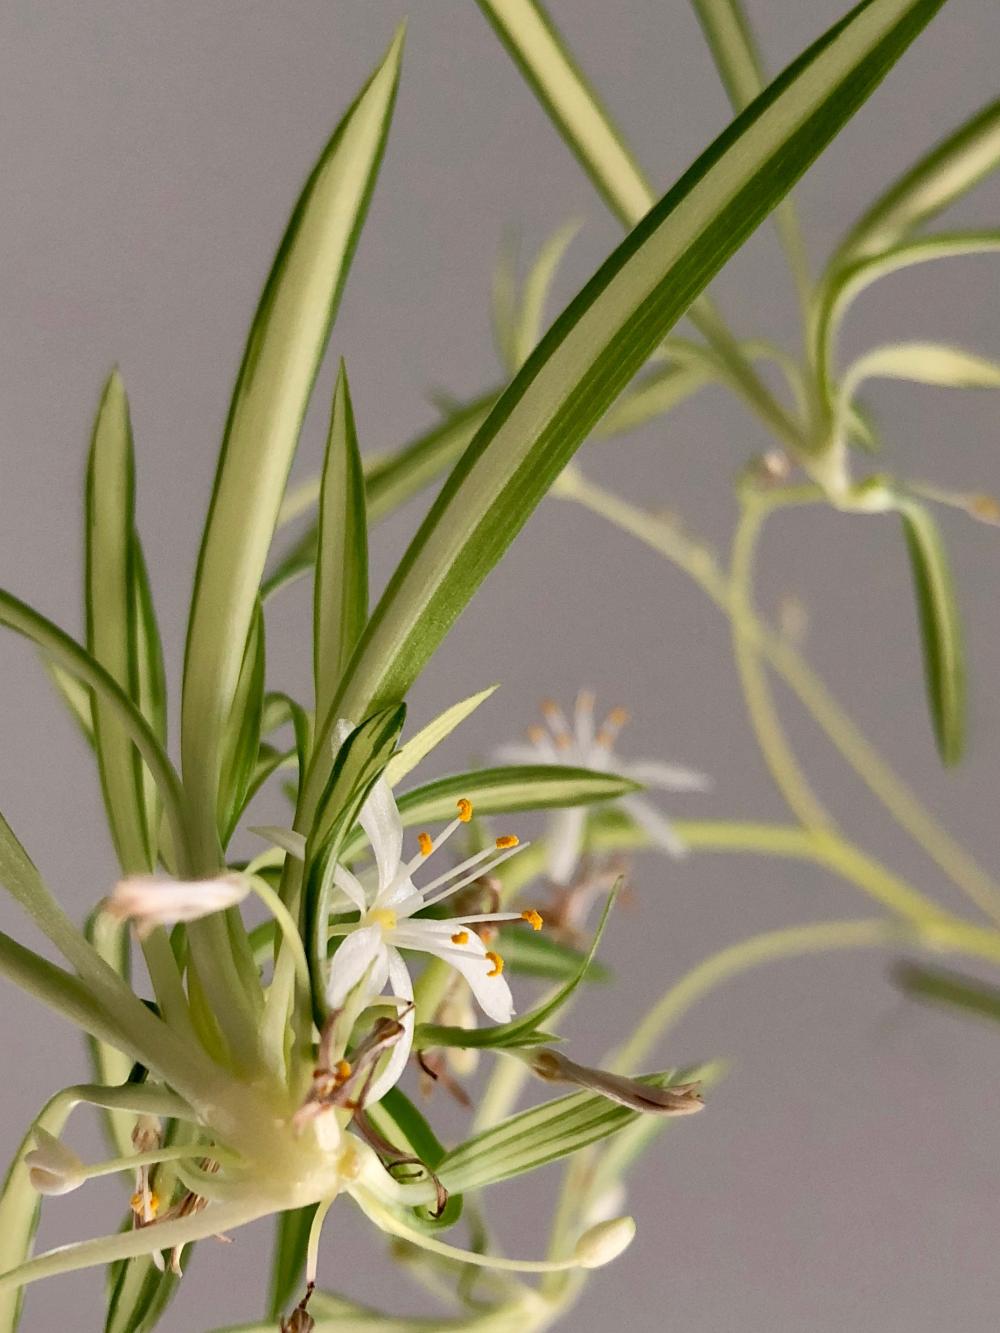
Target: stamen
[496, 960]
[507, 840]
[464, 810]
[490, 856]
[460, 937]
[611, 726]
[426, 843]
[533, 918]
[343, 1071]
[145, 1204]
[537, 735]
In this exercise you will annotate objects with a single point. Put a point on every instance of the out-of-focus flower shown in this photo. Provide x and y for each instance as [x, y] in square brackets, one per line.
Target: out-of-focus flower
[152, 900]
[52, 1167]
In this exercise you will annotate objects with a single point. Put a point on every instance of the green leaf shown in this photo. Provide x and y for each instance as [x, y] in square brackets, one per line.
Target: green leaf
[401, 1124]
[543, 1134]
[288, 1259]
[498, 791]
[111, 623]
[340, 597]
[150, 688]
[139, 1295]
[519, 1031]
[66, 653]
[922, 363]
[528, 953]
[75, 696]
[418, 747]
[608, 331]
[241, 743]
[950, 170]
[359, 763]
[111, 940]
[940, 627]
[283, 354]
[951, 989]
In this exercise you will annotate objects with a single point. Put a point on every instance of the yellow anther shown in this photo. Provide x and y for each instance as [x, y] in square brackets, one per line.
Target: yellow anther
[563, 741]
[533, 918]
[342, 1071]
[464, 810]
[537, 735]
[617, 718]
[460, 937]
[426, 843]
[384, 917]
[497, 962]
[145, 1204]
[508, 840]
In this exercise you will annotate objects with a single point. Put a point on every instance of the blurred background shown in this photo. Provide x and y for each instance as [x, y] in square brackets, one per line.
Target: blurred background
[847, 1170]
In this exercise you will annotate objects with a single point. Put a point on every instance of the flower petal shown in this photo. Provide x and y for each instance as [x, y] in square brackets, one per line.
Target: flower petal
[351, 887]
[524, 753]
[434, 937]
[402, 986]
[360, 950]
[564, 842]
[151, 900]
[657, 825]
[667, 777]
[380, 820]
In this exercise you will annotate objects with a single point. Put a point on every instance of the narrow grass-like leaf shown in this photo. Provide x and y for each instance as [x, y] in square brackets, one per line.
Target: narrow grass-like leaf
[288, 1259]
[75, 696]
[340, 594]
[529, 319]
[69, 655]
[937, 364]
[519, 1031]
[940, 627]
[950, 170]
[532, 1138]
[283, 354]
[528, 953]
[949, 989]
[150, 686]
[606, 334]
[403, 1126]
[139, 1295]
[111, 941]
[110, 615]
[241, 743]
[418, 747]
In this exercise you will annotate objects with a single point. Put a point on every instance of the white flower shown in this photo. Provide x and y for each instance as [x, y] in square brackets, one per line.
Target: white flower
[587, 746]
[52, 1167]
[150, 901]
[387, 902]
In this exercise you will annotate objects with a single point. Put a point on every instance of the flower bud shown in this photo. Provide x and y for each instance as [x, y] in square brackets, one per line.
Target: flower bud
[52, 1167]
[605, 1242]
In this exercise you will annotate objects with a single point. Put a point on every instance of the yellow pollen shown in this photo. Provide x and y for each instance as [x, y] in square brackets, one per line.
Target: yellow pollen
[426, 843]
[139, 1204]
[343, 1071]
[508, 840]
[460, 937]
[618, 717]
[563, 742]
[533, 918]
[497, 962]
[384, 917]
[464, 810]
[537, 735]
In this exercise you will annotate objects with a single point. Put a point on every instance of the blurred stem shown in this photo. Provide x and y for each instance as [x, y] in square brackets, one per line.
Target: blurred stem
[700, 565]
[788, 776]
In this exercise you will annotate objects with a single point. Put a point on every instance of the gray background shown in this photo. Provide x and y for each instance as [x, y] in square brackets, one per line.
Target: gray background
[846, 1173]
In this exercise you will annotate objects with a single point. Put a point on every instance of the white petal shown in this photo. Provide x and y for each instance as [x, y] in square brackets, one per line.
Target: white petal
[150, 900]
[351, 887]
[434, 937]
[380, 820]
[564, 842]
[655, 824]
[359, 951]
[667, 777]
[583, 720]
[399, 979]
[526, 753]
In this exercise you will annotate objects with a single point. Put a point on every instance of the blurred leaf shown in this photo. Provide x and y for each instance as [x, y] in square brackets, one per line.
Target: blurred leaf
[283, 354]
[110, 603]
[601, 340]
[529, 320]
[241, 742]
[947, 988]
[528, 953]
[340, 592]
[112, 941]
[922, 363]
[139, 1295]
[950, 170]
[543, 1134]
[940, 626]
[418, 747]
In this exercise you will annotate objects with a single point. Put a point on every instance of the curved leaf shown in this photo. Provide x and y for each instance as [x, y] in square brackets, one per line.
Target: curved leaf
[418, 747]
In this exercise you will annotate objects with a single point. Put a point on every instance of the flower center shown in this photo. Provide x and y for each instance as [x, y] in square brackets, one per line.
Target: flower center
[384, 917]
